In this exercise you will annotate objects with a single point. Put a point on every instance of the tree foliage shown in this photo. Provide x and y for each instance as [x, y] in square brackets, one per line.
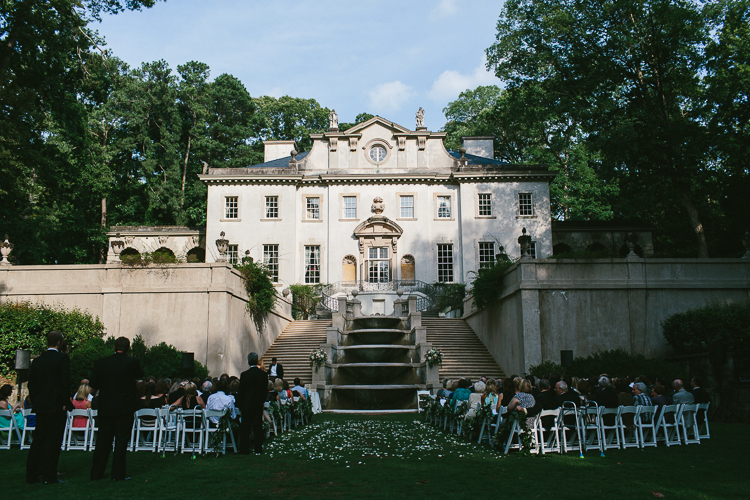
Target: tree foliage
[304, 299]
[697, 330]
[261, 293]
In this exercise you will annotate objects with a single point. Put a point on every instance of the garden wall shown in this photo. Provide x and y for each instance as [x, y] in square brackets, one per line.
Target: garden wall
[198, 308]
[586, 306]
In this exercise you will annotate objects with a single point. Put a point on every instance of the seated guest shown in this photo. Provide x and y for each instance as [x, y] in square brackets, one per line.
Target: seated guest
[451, 389]
[5, 392]
[221, 401]
[624, 393]
[507, 391]
[441, 393]
[479, 387]
[659, 395]
[281, 394]
[522, 400]
[547, 400]
[641, 398]
[234, 386]
[31, 418]
[190, 400]
[565, 394]
[606, 395]
[491, 397]
[81, 402]
[700, 396]
[299, 389]
[177, 391]
[681, 396]
[272, 394]
[462, 393]
[206, 389]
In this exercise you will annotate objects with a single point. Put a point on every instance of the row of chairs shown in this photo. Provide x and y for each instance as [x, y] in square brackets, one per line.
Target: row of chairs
[591, 427]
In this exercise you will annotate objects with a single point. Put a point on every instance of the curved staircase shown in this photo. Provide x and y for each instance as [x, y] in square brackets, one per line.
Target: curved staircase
[464, 355]
[292, 347]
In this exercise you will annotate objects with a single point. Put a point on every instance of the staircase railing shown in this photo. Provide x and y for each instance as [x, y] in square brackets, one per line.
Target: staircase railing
[426, 298]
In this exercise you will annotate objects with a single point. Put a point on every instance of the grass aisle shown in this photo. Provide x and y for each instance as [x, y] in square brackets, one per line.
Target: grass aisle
[343, 456]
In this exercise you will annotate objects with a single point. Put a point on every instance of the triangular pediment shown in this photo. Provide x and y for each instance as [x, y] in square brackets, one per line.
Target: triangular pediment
[356, 129]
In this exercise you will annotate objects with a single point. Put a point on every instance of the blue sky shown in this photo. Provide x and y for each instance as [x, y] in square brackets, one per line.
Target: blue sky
[382, 57]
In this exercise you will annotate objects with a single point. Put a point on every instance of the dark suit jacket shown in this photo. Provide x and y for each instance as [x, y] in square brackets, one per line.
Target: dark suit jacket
[115, 377]
[253, 389]
[701, 395]
[49, 382]
[279, 371]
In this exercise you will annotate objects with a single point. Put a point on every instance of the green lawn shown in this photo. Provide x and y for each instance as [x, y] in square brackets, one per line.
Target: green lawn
[342, 456]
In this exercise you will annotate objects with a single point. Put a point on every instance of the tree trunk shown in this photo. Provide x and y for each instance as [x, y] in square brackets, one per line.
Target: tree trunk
[695, 222]
[184, 171]
[103, 250]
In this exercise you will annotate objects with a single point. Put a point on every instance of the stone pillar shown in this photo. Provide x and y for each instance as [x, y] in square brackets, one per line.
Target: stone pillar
[218, 322]
[531, 328]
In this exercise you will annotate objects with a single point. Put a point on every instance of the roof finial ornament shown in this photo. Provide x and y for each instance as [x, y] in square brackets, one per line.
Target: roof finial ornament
[420, 118]
[333, 121]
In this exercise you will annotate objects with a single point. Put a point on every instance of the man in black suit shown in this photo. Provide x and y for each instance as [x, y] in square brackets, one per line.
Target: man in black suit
[49, 383]
[701, 396]
[252, 395]
[275, 370]
[115, 377]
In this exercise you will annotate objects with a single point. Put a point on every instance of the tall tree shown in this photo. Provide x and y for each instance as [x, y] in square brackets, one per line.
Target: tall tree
[631, 71]
[290, 118]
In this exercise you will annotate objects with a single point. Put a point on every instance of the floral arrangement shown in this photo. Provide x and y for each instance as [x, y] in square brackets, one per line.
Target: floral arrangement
[318, 357]
[434, 356]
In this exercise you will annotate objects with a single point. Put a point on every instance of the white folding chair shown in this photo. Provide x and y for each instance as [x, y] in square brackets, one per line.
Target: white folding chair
[548, 436]
[213, 428]
[146, 430]
[488, 427]
[703, 431]
[669, 430]
[515, 433]
[28, 429]
[609, 427]
[689, 424]
[93, 428]
[192, 430]
[647, 421]
[266, 406]
[169, 429]
[8, 434]
[422, 399]
[589, 423]
[77, 438]
[629, 436]
[456, 419]
[570, 434]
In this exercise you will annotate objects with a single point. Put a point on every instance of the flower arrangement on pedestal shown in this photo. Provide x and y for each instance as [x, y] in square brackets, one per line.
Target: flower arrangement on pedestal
[318, 357]
[433, 356]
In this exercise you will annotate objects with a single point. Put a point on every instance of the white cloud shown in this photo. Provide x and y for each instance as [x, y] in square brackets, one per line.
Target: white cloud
[388, 97]
[445, 8]
[451, 83]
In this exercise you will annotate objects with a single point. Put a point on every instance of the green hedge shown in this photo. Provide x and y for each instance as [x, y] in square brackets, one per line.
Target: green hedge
[616, 363]
[24, 325]
[487, 284]
[696, 330]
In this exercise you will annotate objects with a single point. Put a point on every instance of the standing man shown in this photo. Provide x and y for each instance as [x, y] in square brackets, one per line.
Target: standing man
[49, 383]
[252, 395]
[275, 370]
[115, 377]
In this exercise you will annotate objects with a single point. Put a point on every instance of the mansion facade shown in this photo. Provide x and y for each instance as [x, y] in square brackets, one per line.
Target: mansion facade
[377, 202]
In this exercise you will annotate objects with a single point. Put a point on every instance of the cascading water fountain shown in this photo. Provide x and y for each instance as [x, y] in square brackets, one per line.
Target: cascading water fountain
[375, 362]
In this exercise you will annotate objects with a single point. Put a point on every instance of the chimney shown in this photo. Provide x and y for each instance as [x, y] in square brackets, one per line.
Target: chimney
[483, 146]
[277, 149]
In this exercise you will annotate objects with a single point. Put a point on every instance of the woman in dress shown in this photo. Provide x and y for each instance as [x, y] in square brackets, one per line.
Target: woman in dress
[5, 404]
[491, 397]
[462, 393]
[523, 400]
[81, 402]
[190, 401]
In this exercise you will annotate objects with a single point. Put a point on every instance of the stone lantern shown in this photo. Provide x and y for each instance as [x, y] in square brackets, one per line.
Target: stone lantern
[630, 240]
[222, 244]
[5, 249]
[525, 241]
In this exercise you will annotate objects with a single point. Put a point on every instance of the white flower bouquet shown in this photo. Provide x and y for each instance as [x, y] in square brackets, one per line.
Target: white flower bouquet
[318, 357]
[433, 356]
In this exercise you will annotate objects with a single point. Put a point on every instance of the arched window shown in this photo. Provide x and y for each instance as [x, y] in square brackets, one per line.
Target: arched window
[598, 250]
[196, 254]
[130, 255]
[407, 268]
[561, 248]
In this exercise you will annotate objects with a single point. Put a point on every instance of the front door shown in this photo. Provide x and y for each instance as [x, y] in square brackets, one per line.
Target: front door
[378, 265]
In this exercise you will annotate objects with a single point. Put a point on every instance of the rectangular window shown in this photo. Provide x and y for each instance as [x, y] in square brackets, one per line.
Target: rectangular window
[233, 253]
[445, 263]
[444, 207]
[378, 265]
[312, 264]
[272, 207]
[486, 255]
[313, 209]
[485, 204]
[407, 207]
[350, 207]
[525, 205]
[231, 207]
[271, 261]
[532, 250]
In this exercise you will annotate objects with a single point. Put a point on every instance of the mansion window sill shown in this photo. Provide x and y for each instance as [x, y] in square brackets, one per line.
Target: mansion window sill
[278, 284]
[312, 220]
[485, 217]
[272, 219]
[348, 220]
[526, 217]
[445, 219]
[407, 218]
[230, 220]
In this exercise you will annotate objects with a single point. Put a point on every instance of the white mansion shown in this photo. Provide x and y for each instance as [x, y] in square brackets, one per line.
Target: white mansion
[377, 202]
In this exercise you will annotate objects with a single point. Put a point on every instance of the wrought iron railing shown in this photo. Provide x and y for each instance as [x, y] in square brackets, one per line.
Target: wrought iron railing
[426, 298]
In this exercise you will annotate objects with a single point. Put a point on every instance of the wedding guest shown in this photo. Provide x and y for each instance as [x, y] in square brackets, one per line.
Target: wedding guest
[81, 402]
[5, 392]
[681, 396]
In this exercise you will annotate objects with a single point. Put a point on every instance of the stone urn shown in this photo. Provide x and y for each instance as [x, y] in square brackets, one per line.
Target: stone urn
[525, 242]
[117, 246]
[5, 248]
[631, 240]
[222, 244]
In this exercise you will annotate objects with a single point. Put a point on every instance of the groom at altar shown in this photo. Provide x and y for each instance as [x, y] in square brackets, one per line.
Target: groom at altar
[250, 399]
